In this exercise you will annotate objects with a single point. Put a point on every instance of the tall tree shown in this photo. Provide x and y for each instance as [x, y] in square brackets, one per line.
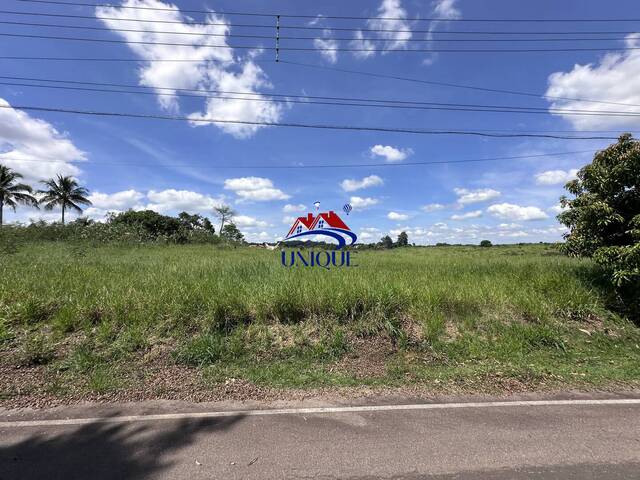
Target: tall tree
[230, 232]
[386, 242]
[13, 193]
[64, 192]
[403, 239]
[224, 213]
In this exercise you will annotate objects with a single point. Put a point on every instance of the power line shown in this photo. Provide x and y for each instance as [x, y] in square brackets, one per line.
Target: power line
[334, 17]
[304, 167]
[285, 37]
[307, 125]
[453, 85]
[345, 102]
[312, 28]
[314, 49]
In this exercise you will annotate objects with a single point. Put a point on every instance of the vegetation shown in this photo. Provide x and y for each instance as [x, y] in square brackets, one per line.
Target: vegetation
[101, 318]
[224, 213]
[63, 192]
[604, 217]
[486, 243]
[13, 193]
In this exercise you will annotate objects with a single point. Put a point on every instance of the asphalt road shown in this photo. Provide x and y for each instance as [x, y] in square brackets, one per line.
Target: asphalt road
[497, 442]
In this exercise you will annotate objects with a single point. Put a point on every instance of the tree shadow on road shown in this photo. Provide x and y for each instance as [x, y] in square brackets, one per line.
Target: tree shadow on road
[103, 450]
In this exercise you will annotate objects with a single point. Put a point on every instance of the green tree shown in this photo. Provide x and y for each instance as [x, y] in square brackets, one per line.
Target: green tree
[64, 192]
[403, 239]
[386, 242]
[230, 232]
[196, 222]
[486, 243]
[604, 216]
[13, 193]
[223, 213]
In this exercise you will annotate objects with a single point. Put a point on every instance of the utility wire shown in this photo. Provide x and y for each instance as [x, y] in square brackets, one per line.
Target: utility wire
[306, 125]
[304, 167]
[333, 17]
[314, 49]
[312, 28]
[284, 37]
[309, 101]
[453, 85]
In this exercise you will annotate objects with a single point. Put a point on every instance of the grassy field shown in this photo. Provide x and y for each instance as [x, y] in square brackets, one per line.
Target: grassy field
[78, 321]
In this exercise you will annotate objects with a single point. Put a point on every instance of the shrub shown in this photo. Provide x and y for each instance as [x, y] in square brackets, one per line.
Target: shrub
[486, 243]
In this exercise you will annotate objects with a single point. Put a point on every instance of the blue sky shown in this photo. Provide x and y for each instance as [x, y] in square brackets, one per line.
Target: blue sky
[170, 166]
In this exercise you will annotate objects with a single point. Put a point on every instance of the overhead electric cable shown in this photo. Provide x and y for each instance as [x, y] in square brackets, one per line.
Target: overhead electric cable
[314, 49]
[305, 125]
[343, 101]
[312, 28]
[332, 17]
[284, 37]
[304, 167]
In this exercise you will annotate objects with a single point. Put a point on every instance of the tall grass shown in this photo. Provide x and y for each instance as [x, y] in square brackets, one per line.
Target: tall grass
[220, 306]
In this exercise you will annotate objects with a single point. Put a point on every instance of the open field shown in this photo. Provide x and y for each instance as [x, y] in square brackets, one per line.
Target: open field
[202, 322]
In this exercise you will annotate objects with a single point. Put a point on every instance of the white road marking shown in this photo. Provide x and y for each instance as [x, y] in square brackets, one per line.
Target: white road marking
[316, 410]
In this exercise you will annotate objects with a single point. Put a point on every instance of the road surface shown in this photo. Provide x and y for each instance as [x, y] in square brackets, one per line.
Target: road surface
[543, 440]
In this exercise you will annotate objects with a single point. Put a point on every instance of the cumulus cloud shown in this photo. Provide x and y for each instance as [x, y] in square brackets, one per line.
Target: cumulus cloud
[390, 154]
[615, 78]
[207, 69]
[432, 207]
[555, 177]
[33, 147]
[509, 211]
[397, 217]
[466, 196]
[256, 189]
[289, 208]
[172, 200]
[351, 185]
[394, 31]
[116, 201]
[360, 202]
[244, 221]
[466, 216]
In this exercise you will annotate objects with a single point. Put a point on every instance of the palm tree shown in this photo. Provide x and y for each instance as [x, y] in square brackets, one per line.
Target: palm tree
[12, 193]
[64, 192]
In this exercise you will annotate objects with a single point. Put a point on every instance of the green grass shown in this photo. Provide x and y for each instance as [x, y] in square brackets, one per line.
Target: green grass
[432, 316]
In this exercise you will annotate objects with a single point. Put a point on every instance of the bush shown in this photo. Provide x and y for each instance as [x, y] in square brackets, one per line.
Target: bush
[486, 243]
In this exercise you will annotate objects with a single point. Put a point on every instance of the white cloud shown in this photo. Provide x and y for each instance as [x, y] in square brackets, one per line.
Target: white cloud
[289, 208]
[509, 211]
[172, 200]
[475, 196]
[391, 154]
[554, 177]
[398, 217]
[615, 78]
[208, 68]
[466, 216]
[359, 202]
[364, 48]
[244, 221]
[116, 201]
[432, 207]
[33, 147]
[255, 189]
[446, 9]
[556, 209]
[351, 185]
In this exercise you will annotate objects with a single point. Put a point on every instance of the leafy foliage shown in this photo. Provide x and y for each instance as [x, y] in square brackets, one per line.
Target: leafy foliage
[64, 192]
[231, 233]
[13, 193]
[403, 239]
[604, 217]
[486, 243]
[386, 242]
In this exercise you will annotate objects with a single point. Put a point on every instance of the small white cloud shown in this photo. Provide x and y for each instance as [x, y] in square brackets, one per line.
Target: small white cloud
[245, 221]
[555, 177]
[397, 217]
[391, 154]
[466, 196]
[289, 208]
[359, 202]
[466, 216]
[351, 185]
[556, 209]
[509, 211]
[116, 201]
[172, 200]
[327, 46]
[432, 207]
[446, 9]
[256, 189]
[364, 48]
